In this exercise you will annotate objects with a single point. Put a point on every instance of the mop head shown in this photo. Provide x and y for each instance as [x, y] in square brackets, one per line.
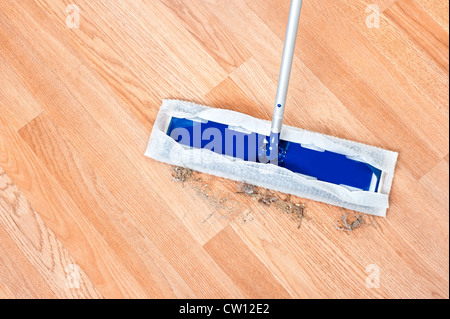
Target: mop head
[171, 142]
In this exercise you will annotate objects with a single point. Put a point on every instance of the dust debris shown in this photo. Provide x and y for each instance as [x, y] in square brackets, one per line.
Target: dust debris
[267, 198]
[247, 216]
[215, 199]
[351, 226]
[247, 189]
[297, 211]
[181, 174]
[228, 208]
[220, 202]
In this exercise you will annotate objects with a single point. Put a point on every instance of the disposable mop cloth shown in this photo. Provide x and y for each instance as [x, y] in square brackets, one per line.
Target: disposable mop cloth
[165, 148]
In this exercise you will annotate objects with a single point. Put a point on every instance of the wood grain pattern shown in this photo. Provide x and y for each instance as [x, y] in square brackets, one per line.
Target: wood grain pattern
[18, 105]
[424, 31]
[404, 55]
[40, 247]
[243, 267]
[77, 107]
[438, 10]
[19, 279]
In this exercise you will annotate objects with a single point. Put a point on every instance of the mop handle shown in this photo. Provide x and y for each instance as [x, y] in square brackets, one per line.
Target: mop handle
[286, 65]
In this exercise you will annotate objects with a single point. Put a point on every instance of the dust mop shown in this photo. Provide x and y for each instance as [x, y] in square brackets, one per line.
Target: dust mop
[267, 154]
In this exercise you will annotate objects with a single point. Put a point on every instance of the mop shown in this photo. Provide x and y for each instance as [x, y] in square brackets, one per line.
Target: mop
[271, 155]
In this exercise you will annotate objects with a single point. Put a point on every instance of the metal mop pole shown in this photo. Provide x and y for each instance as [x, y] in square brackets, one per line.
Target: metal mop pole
[285, 74]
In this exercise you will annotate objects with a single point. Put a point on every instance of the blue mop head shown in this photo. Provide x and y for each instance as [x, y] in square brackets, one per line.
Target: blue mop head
[316, 164]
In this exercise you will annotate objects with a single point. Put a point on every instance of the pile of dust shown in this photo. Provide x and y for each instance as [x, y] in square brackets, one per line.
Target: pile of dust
[268, 198]
[350, 226]
[231, 209]
[227, 207]
[181, 174]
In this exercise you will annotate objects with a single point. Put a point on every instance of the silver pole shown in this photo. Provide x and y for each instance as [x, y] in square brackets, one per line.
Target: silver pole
[286, 65]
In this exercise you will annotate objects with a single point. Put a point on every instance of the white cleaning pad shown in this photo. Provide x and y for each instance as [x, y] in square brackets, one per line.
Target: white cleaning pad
[163, 148]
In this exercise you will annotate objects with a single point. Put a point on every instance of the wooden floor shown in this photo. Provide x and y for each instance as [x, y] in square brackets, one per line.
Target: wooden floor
[84, 214]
